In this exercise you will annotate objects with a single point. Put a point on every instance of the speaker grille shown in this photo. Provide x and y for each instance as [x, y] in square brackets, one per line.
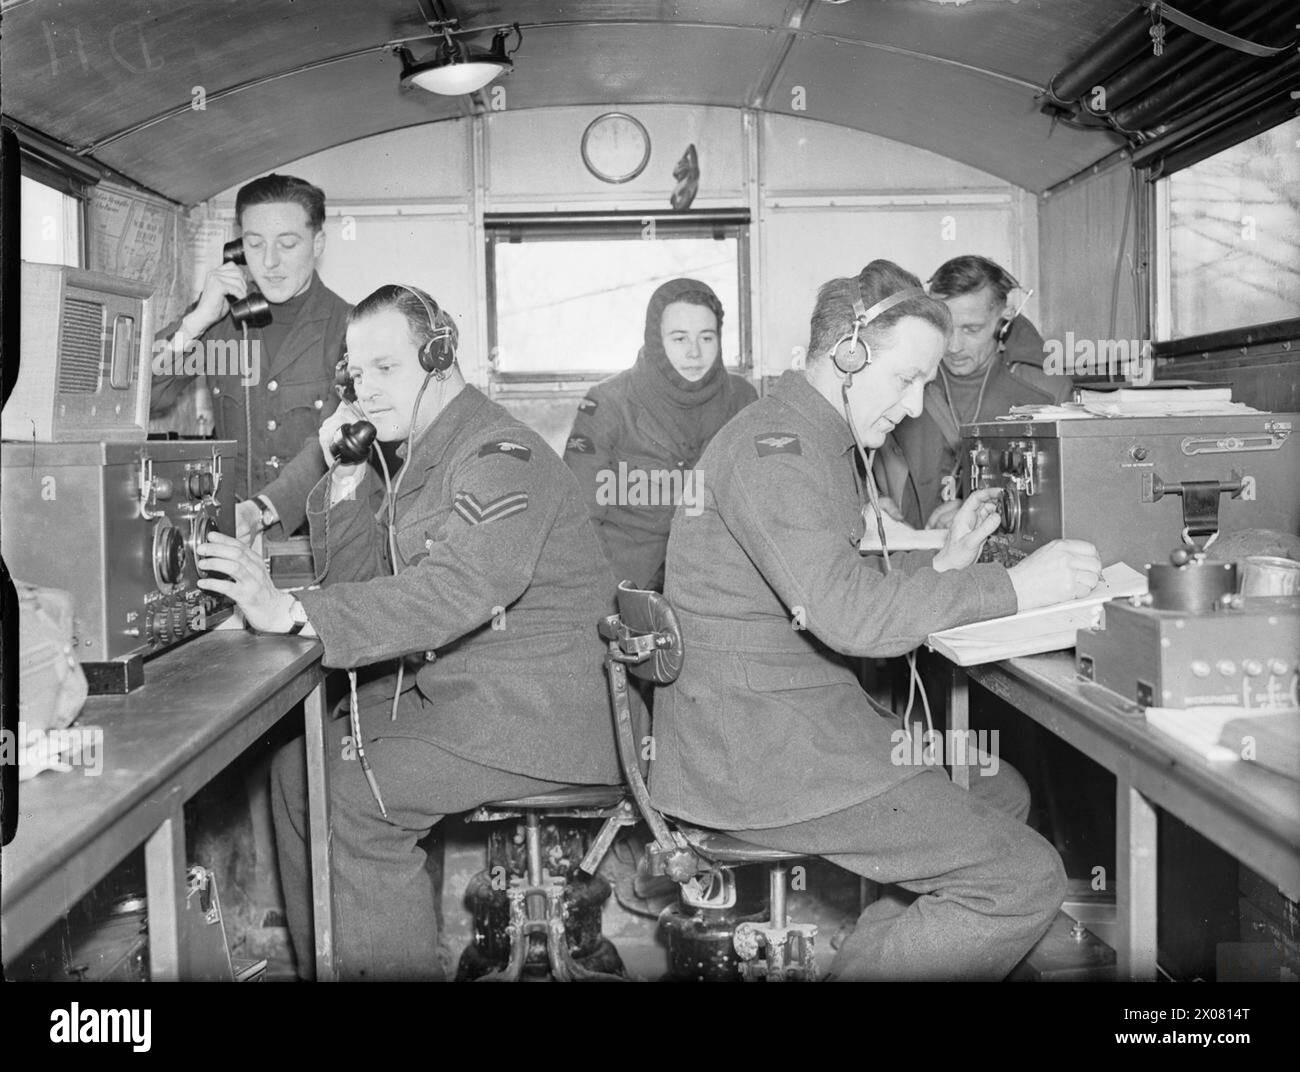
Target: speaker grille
[81, 346]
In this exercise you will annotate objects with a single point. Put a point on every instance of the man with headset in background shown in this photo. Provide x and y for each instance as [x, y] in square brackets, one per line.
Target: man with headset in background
[280, 219]
[767, 734]
[994, 361]
[485, 578]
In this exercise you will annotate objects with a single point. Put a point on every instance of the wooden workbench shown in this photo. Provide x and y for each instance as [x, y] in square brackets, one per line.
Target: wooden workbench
[201, 706]
[1251, 813]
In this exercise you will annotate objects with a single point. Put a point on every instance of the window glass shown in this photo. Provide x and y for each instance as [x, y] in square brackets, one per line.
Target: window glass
[1234, 236]
[51, 224]
[577, 305]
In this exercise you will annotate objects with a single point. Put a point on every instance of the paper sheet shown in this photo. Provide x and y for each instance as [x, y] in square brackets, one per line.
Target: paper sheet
[900, 537]
[1267, 736]
[1035, 631]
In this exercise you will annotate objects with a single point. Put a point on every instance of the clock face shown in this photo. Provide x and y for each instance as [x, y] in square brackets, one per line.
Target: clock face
[615, 147]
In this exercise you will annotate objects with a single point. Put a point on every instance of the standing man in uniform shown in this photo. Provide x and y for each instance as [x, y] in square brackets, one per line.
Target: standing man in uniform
[487, 586]
[994, 361]
[281, 219]
[767, 735]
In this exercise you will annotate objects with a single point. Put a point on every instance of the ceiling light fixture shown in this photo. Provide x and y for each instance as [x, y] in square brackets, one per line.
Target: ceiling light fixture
[456, 68]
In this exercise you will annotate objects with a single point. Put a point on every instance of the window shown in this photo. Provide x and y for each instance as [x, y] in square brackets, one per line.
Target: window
[568, 294]
[51, 224]
[1231, 237]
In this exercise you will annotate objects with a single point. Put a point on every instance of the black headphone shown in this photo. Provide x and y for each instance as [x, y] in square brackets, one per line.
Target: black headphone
[1009, 319]
[438, 351]
[862, 316]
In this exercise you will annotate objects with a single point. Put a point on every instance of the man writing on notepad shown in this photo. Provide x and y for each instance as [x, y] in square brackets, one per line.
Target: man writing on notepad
[767, 735]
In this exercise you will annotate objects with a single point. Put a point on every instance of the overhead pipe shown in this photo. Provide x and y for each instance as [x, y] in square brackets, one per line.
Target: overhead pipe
[1277, 80]
[1120, 45]
[1180, 50]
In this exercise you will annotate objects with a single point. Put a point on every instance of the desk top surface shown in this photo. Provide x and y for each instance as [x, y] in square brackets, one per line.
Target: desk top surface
[191, 698]
[1266, 799]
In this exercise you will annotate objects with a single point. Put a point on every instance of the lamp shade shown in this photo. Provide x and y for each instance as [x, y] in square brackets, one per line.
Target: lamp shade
[453, 79]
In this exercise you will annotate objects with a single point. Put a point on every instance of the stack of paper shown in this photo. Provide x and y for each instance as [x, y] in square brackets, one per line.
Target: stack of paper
[1034, 631]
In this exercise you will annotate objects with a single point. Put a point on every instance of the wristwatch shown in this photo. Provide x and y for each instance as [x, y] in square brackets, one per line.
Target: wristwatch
[299, 615]
[269, 516]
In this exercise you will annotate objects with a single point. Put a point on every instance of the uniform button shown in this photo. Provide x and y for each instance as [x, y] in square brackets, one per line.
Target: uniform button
[428, 545]
[273, 462]
[318, 403]
[1252, 667]
[270, 426]
[1276, 666]
[273, 386]
[1227, 667]
[216, 390]
[1200, 668]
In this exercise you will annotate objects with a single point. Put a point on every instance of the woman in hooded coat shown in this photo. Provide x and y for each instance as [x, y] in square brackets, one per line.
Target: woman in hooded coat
[638, 435]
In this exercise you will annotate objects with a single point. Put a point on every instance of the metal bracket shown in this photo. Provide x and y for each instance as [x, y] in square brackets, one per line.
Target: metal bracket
[1200, 499]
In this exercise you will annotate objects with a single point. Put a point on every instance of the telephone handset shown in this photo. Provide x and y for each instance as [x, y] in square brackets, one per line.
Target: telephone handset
[254, 310]
[351, 443]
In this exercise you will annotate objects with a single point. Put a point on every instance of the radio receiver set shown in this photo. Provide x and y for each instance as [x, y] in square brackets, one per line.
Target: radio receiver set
[1135, 486]
[85, 343]
[117, 525]
[90, 505]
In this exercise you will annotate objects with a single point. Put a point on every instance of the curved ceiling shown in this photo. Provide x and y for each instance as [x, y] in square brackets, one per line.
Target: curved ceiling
[279, 79]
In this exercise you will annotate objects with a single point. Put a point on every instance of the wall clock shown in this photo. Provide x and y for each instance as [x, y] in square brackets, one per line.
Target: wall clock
[615, 147]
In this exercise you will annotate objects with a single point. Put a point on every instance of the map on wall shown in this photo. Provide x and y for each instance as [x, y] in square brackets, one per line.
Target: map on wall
[131, 236]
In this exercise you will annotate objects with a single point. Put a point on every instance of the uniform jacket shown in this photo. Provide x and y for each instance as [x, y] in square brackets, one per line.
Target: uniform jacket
[289, 401]
[767, 724]
[617, 426]
[929, 443]
[499, 589]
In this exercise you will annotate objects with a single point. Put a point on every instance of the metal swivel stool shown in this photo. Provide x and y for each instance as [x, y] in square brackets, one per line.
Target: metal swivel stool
[644, 637]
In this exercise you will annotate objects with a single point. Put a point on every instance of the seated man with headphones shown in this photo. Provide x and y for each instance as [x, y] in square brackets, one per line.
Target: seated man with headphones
[994, 361]
[768, 735]
[476, 578]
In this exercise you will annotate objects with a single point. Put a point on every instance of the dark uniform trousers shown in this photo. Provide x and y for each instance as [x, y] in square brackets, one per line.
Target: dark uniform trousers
[494, 604]
[767, 734]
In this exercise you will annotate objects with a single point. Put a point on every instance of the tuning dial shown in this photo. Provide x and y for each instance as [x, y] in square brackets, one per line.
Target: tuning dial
[202, 526]
[162, 488]
[168, 555]
[982, 457]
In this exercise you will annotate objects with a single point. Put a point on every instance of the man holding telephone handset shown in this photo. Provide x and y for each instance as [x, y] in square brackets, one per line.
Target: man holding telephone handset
[267, 295]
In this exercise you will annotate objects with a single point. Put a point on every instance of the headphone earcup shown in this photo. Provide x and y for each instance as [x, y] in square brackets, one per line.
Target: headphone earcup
[437, 355]
[856, 364]
[1003, 331]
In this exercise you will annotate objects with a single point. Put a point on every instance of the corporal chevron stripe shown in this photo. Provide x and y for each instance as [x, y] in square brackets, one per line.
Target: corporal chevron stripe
[478, 513]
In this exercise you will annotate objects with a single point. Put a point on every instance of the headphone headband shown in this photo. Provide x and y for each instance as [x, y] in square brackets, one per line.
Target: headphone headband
[862, 317]
[437, 353]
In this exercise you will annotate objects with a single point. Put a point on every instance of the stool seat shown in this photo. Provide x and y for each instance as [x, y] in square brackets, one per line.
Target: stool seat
[571, 796]
[725, 849]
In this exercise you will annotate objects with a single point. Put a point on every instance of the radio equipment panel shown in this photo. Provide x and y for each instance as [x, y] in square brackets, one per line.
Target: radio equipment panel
[86, 342]
[117, 524]
[1135, 486]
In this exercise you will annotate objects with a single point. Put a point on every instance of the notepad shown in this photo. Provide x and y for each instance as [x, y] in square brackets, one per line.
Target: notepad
[1032, 632]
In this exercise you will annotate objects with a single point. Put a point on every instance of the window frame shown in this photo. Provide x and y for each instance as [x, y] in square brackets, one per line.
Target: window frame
[71, 186]
[1244, 339]
[620, 226]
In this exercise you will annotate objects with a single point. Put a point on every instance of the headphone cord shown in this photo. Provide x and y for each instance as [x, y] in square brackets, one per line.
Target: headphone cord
[868, 460]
